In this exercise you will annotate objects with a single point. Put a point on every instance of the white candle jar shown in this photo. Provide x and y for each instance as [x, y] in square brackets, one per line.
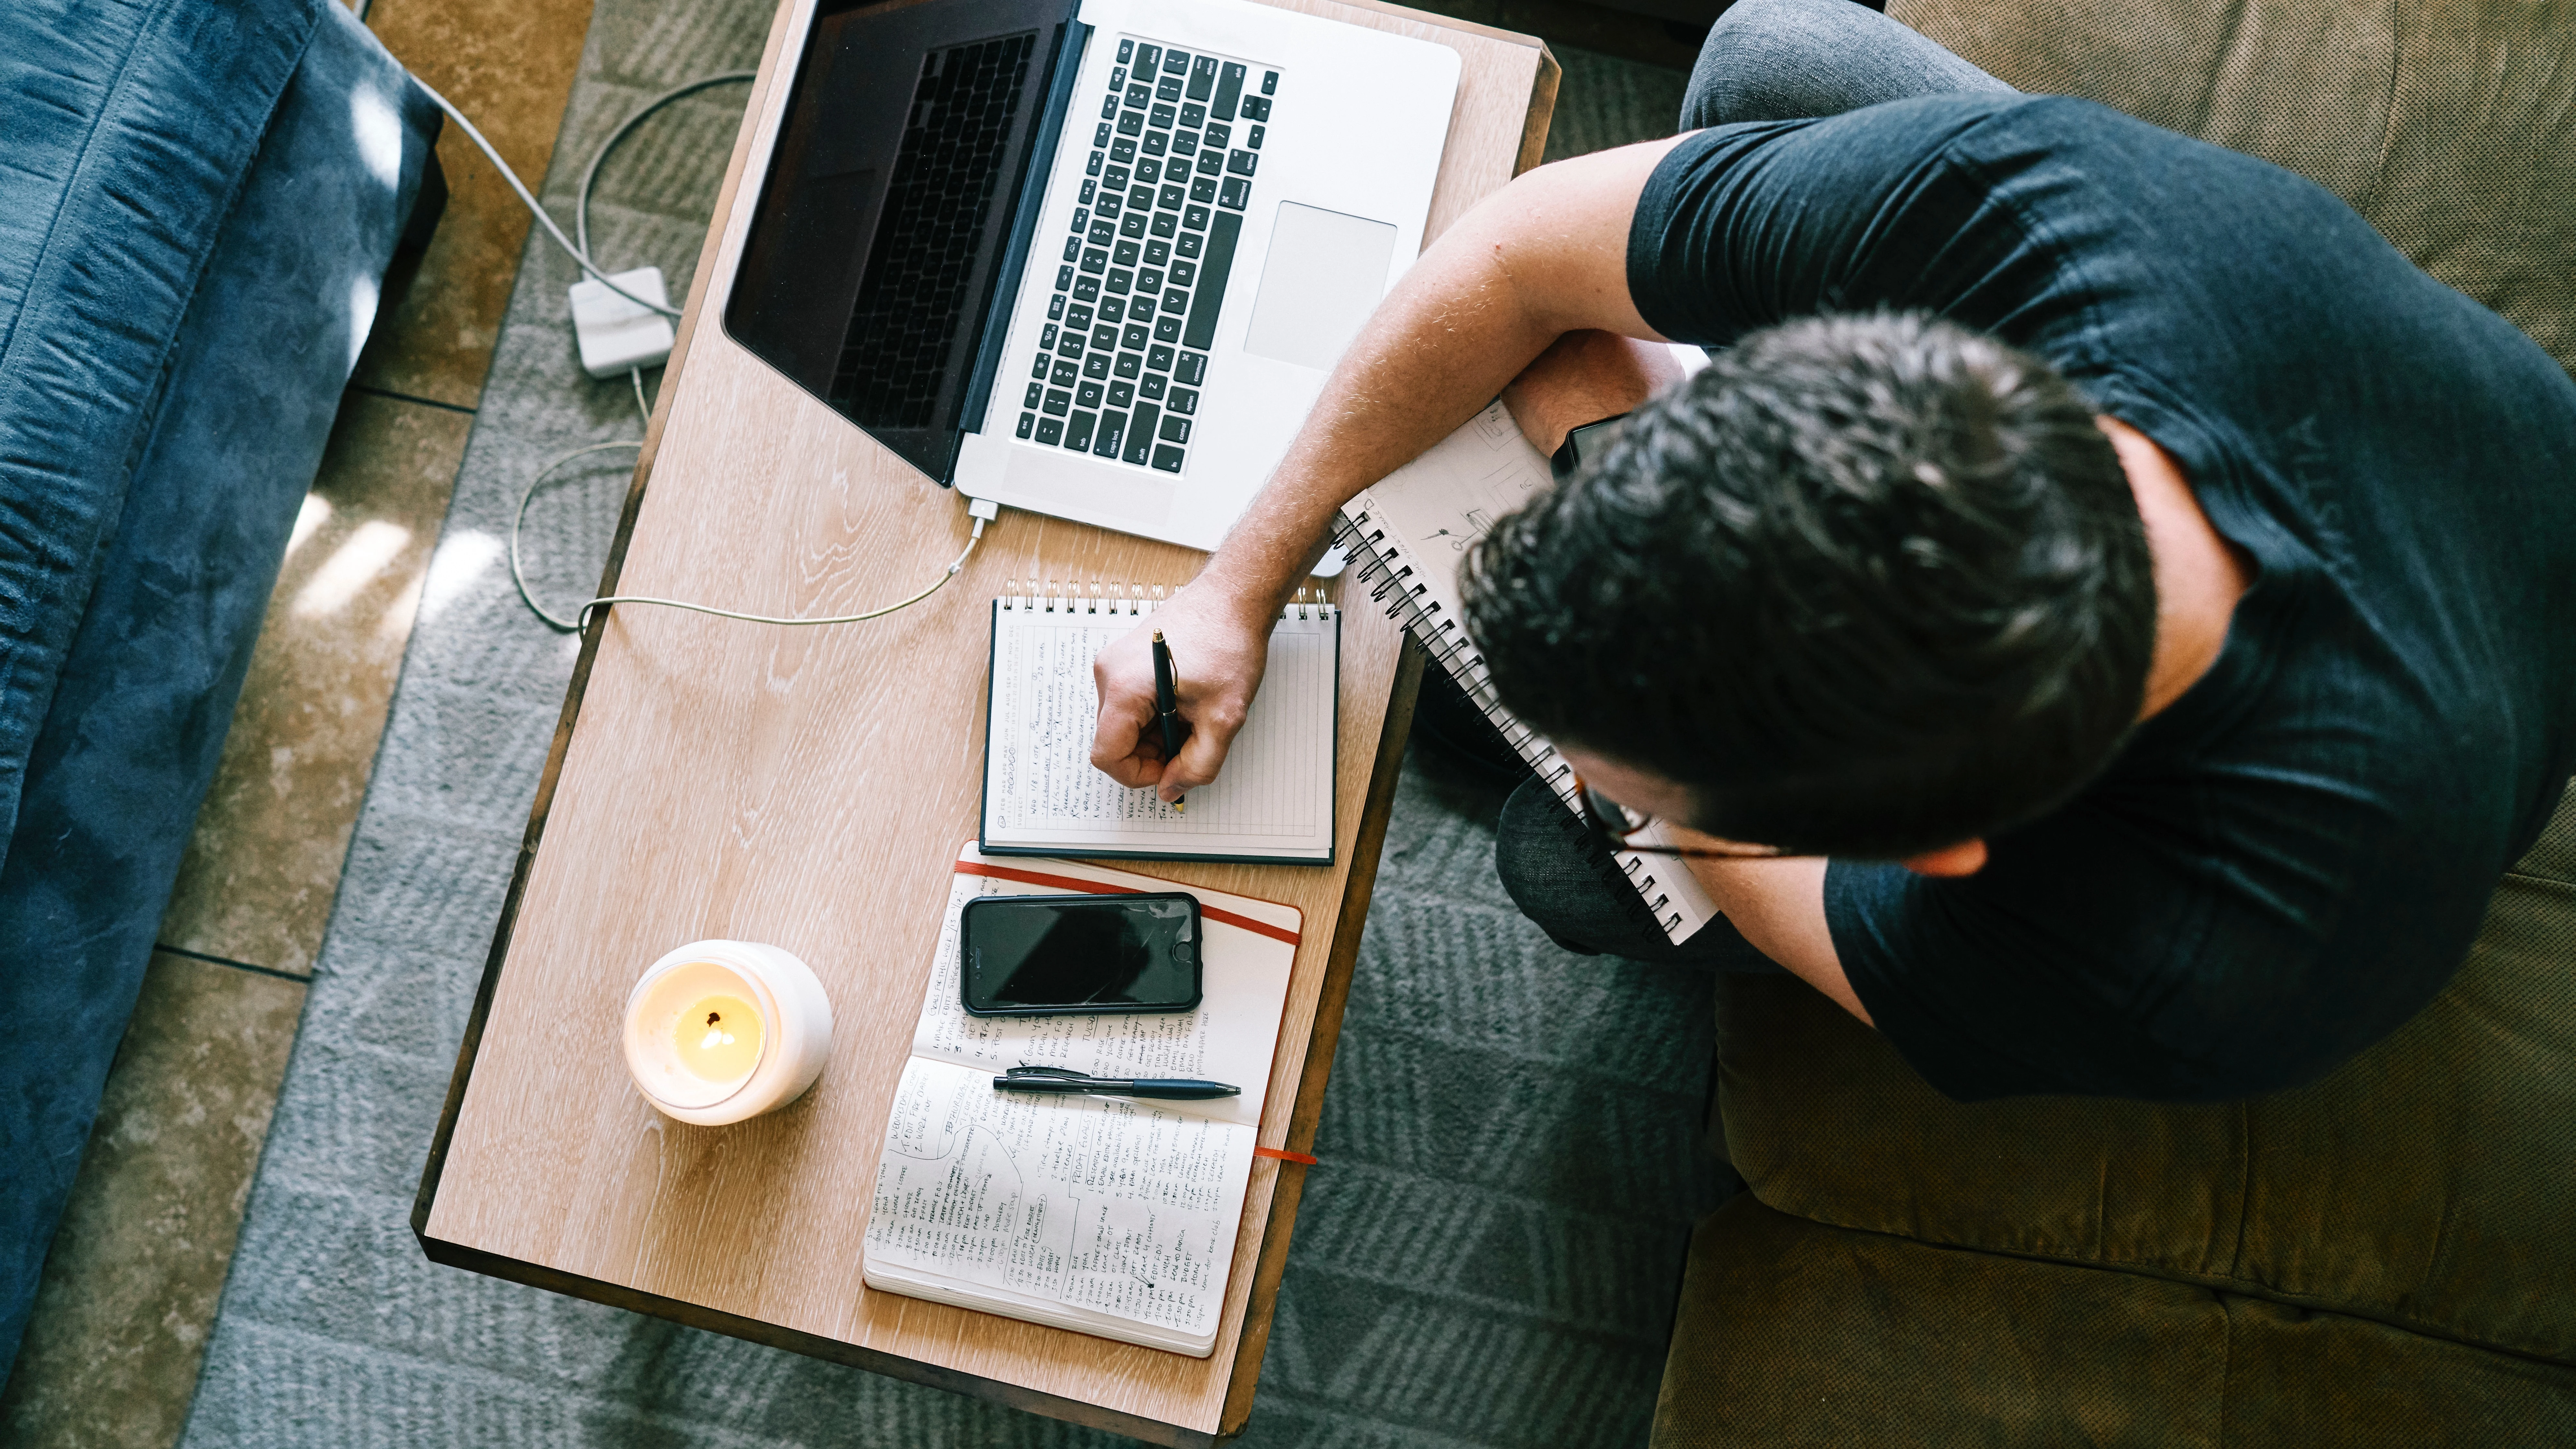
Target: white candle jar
[720, 1031]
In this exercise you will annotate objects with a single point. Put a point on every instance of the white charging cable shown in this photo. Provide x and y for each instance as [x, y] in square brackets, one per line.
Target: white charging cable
[983, 511]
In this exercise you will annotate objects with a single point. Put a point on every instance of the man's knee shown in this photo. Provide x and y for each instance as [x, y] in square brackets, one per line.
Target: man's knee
[1560, 879]
[1778, 60]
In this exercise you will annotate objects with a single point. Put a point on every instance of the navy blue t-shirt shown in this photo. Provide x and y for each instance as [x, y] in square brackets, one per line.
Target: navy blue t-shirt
[2291, 859]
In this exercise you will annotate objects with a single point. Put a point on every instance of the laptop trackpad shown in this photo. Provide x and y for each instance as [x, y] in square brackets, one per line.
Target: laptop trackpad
[1325, 274]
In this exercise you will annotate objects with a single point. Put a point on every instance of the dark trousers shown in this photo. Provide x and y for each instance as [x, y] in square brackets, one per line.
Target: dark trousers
[1765, 60]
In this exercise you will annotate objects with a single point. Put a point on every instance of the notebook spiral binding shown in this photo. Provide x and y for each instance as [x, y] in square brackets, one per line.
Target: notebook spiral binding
[1132, 601]
[1381, 562]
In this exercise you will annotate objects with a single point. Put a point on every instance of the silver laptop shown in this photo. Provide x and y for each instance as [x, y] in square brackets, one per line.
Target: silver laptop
[1093, 264]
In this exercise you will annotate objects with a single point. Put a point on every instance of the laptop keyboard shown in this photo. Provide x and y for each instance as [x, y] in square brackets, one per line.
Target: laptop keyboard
[1123, 351]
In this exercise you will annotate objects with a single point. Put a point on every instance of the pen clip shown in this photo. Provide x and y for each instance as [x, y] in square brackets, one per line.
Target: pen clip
[1060, 1073]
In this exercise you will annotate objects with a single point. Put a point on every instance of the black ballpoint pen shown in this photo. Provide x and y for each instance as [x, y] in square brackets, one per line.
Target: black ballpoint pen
[1050, 1079]
[1167, 708]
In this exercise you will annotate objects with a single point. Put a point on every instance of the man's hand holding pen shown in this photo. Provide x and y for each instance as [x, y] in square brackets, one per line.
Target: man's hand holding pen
[1217, 661]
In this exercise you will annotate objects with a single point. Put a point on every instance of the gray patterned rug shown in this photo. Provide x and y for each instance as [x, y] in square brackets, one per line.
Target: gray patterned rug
[1487, 1256]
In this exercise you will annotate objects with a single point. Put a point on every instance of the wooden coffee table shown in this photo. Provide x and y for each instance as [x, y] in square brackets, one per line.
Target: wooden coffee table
[809, 788]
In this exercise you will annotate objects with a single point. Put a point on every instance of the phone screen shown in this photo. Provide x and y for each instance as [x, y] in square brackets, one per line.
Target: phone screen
[1060, 955]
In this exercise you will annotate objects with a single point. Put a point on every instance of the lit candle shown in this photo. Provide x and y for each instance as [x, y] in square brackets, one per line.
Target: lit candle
[718, 1031]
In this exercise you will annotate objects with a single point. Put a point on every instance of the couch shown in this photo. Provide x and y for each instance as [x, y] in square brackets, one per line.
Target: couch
[198, 208]
[2387, 1256]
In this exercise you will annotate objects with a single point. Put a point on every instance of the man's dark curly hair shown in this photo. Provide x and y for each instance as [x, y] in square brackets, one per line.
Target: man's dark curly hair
[1867, 585]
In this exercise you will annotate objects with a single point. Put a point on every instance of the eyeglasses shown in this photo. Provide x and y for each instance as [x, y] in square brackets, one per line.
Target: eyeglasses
[1612, 824]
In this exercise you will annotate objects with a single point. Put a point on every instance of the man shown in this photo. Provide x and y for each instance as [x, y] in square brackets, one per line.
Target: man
[2106, 615]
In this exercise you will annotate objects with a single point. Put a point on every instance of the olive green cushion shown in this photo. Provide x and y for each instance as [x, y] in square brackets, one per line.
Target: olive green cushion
[2451, 126]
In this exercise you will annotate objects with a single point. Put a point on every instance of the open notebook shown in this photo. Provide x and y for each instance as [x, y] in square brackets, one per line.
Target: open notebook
[1104, 1215]
[1408, 535]
[1273, 802]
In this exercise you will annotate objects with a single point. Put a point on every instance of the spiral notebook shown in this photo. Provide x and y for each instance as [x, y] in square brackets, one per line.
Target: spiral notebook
[1407, 535]
[1273, 802]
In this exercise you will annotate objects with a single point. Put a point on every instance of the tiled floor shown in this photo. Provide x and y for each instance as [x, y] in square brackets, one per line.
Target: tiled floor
[111, 1355]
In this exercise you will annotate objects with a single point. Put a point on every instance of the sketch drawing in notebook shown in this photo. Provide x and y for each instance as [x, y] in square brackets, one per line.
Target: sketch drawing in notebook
[1408, 536]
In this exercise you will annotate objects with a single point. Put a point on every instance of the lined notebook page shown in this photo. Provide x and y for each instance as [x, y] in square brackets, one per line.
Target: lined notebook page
[1273, 801]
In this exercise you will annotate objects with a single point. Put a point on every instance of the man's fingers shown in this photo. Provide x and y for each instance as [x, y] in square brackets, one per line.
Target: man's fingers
[1117, 742]
[1212, 733]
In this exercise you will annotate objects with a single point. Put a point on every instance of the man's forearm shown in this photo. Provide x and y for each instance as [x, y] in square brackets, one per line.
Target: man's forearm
[1544, 256]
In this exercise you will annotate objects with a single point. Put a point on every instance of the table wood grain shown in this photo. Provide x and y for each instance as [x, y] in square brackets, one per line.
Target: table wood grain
[810, 788]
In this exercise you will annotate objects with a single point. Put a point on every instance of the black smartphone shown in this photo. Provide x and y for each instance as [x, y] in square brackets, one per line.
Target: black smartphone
[1080, 955]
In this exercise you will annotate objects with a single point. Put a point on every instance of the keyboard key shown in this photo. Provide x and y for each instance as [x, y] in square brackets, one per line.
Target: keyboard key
[1152, 384]
[1122, 149]
[1100, 134]
[1043, 364]
[1087, 395]
[1183, 143]
[1167, 458]
[1078, 320]
[1109, 108]
[1085, 289]
[1157, 252]
[1133, 339]
[1175, 300]
[1094, 261]
[1185, 274]
[1203, 77]
[1127, 366]
[1168, 89]
[1220, 260]
[1077, 432]
[1172, 197]
[1254, 140]
[1120, 281]
[1160, 359]
[1269, 82]
[1064, 278]
[1114, 180]
[1055, 307]
[1139, 198]
[1064, 374]
[1138, 95]
[1105, 207]
[1147, 58]
[1255, 109]
[1103, 234]
[1126, 51]
[1236, 192]
[1148, 282]
[1105, 338]
[1168, 328]
[1193, 116]
[1189, 244]
[1131, 123]
[1176, 61]
[1147, 173]
[1176, 430]
[1140, 308]
[1140, 435]
[1113, 430]
[1070, 349]
[1184, 400]
[1095, 367]
[1218, 136]
[1242, 162]
[1228, 91]
[1202, 189]
[1050, 432]
[1160, 118]
[1121, 394]
[1112, 310]
[1195, 217]
[1191, 369]
[1092, 166]
[1211, 160]
[1028, 424]
[1118, 77]
[1057, 400]
[1036, 390]
[1163, 224]
[1133, 225]
[1155, 141]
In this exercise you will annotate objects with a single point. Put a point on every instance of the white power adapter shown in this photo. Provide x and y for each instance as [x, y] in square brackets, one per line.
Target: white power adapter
[616, 334]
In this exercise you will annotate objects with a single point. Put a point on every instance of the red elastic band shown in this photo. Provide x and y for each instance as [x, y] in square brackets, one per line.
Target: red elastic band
[1283, 1154]
[1093, 887]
